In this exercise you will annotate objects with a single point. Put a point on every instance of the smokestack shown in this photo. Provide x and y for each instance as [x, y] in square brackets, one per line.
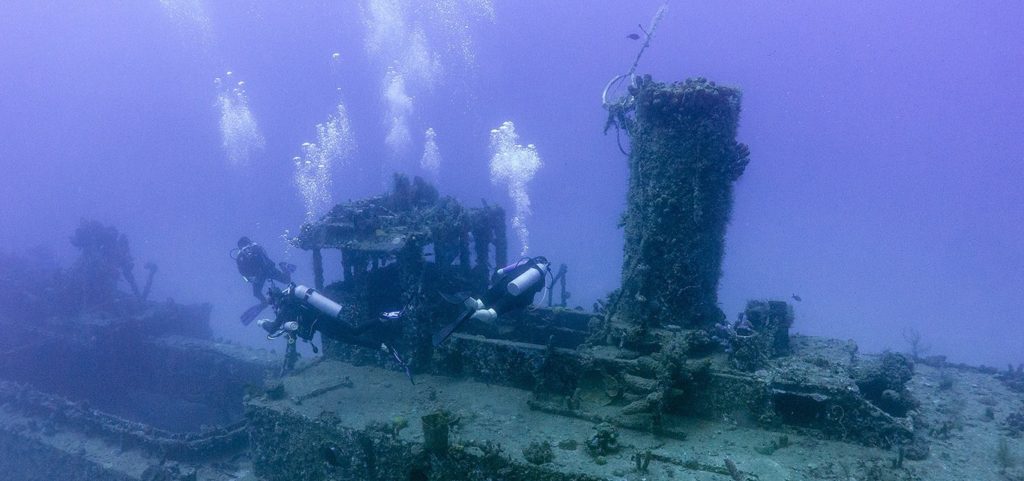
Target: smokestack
[683, 163]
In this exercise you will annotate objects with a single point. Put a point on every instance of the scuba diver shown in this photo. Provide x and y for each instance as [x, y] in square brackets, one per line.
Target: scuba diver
[301, 312]
[513, 287]
[256, 268]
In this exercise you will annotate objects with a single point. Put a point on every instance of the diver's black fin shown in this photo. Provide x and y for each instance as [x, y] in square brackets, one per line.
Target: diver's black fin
[458, 298]
[250, 314]
[446, 331]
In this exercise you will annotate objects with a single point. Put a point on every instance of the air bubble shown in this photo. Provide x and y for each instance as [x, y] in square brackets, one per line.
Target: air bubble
[240, 135]
[514, 165]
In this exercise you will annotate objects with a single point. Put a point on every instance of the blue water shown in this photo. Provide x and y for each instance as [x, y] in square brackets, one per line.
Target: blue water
[884, 186]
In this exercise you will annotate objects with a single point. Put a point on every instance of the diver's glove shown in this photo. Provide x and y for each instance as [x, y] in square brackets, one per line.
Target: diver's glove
[271, 326]
[391, 316]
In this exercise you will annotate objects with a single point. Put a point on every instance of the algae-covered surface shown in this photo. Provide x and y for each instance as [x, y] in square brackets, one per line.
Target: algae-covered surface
[492, 431]
[488, 419]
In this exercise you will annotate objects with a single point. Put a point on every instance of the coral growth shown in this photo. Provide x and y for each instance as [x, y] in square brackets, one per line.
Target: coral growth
[883, 381]
[1013, 377]
[604, 441]
[683, 163]
[761, 333]
[539, 452]
[1014, 424]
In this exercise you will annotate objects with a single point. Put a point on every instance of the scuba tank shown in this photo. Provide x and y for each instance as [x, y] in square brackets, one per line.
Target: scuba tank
[318, 301]
[529, 279]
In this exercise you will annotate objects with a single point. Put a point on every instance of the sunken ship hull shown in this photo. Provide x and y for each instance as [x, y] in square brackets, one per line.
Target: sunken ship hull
[653, 383]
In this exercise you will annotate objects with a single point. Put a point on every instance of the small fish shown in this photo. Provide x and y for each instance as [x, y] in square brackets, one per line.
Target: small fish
[633, 36]
[796, 298]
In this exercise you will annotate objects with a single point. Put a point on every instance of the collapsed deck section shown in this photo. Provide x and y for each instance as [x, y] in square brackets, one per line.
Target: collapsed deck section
[809, 391]
[123, 397]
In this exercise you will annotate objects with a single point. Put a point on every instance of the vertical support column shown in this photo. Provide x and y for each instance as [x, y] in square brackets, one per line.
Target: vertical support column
[464, 262]
[683, 163]
[346, 265]
[318, 269]
[500, 240]
[416, 326]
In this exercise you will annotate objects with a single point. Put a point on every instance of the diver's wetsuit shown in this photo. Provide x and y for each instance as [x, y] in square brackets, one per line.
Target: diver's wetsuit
[310, 320]
[254, 264]
[378, 334]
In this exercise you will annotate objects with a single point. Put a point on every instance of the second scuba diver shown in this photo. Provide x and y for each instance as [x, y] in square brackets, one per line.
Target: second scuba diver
[514, 287]
[256, 268]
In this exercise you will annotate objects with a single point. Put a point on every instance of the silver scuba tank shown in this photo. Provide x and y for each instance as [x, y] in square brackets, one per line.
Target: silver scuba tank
[319, 301]
[528, 279]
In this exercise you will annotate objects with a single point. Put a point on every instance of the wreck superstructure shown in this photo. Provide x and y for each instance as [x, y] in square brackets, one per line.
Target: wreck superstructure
[628, 366]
